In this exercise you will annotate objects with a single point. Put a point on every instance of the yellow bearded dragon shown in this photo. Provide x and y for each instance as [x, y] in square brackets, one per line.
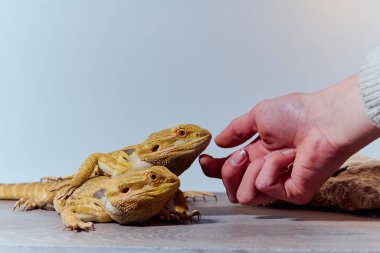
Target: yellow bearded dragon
[175, 148]
[132, 197]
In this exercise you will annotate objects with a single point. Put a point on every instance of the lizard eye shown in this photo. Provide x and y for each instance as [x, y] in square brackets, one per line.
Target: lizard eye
[153, 176]
[155, 148]
[181, 133]
[125, 190]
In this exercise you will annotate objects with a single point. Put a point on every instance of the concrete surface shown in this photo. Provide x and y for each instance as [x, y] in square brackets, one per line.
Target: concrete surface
[224, 227]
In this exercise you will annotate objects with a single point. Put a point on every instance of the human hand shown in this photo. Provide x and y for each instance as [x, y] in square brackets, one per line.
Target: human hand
[312, 133]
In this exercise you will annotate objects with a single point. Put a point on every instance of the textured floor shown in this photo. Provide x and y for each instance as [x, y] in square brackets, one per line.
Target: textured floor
[224, 227]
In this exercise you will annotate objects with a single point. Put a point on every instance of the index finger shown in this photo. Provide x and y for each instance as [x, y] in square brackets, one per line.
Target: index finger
[238, 131]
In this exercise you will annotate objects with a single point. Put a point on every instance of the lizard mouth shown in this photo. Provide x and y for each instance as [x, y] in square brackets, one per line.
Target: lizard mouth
[182, 145]
[154, 192]
[198, 144]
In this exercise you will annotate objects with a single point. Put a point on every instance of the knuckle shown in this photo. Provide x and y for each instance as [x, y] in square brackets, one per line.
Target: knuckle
[296, 94]
[261, 105]
[262, 185]
[276, 161]
[271, 160]
[239, 134]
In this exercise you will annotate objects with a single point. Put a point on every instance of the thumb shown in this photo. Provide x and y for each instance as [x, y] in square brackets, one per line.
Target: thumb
[238, 131]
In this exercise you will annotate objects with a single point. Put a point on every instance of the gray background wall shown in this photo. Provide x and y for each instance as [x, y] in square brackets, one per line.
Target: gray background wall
[83, 76]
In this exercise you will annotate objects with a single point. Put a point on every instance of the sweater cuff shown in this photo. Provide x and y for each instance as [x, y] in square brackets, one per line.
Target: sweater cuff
[370, 85]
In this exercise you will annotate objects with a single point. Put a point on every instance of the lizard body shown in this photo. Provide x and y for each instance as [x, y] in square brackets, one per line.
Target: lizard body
[134, 196]
[175, 148]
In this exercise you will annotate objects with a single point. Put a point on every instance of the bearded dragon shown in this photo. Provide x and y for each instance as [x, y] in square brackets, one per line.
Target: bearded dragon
[175, 148]
[132, 197]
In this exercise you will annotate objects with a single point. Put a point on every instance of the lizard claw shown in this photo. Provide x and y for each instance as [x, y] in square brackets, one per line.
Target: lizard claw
[80, 226]
[54, 179]
[60, 186]
[28, 204]
[198, 194]
[175, 216]
[65, 190]
[19, 203]
[190, 214]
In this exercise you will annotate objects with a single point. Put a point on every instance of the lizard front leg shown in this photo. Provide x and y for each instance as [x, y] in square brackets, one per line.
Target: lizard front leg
[177, 209]
[78, 217]
[72, 221]
[66, 188]
[104, 162]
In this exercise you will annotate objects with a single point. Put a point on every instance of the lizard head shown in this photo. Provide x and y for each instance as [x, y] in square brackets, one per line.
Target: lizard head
[175, 148]
[137, 195]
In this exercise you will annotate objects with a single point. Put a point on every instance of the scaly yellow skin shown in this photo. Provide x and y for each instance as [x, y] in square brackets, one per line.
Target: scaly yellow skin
[175, 148]
[132, 197]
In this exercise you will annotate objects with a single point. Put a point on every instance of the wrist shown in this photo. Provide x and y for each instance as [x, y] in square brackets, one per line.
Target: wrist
[349, 126]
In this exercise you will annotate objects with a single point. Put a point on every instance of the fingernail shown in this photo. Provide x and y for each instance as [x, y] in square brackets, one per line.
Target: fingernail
[288, 151]
[238, 157]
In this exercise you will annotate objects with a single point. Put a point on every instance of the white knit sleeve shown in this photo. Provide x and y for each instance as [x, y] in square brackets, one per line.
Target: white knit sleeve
[370, 85]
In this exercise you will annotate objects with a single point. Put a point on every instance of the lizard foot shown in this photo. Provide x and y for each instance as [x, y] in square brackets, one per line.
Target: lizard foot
[28, 204]
[175, 216]
[64, 189]
[54, 179]
[198, 194]
[79, 226]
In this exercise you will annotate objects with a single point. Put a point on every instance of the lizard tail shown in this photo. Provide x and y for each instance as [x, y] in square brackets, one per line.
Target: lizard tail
[27, 190]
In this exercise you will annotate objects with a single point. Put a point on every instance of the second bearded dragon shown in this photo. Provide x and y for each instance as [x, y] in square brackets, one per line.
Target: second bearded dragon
[132, 197]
